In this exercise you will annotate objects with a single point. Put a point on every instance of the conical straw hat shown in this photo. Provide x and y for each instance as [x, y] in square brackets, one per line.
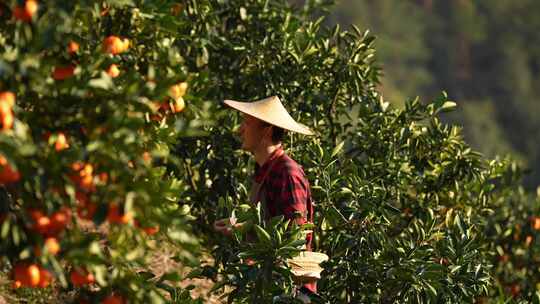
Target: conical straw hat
[307, 265]
[271, 111]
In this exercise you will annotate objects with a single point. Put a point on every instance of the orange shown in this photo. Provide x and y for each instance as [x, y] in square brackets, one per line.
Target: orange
[125, 44]
[114, 215]
[84, 177]
[6, 114]
[73, 47]
[178, 90]
[52, 246]
[114, 45]
[59, 220]
[61, 142]
[113, 71]
[80, 277]
[45, 277]
[7, 174]
[5, 107]
[77, 166]
[61, 73]
[42, 224]
[114, 299]
[536, 223]
[35, 214]
[179, 105]
[8, 98]
[151, 230]
[27, 274]
[147, 158]
[7, 121]
[27, 12]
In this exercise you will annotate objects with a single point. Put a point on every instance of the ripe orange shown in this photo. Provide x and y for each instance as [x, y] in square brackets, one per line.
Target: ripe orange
[84, 177]
[7, 174]
[73, 47]
[7, 121]
[113, 71]
[45, 277]
[114, 215]
[536, 223]
[42, 224]
[114, 45]
[80, 277]
[51, 246]
[61, 73]
[179, 105]
[6, 114]
[61, 142]
[5, 107]
[8, 98]
[59, 220]
[151, 230]
[125, 44]
[178, 90]
[114, 299]
[147, 158]
[27, 274]
[27, 12]
[35, 214]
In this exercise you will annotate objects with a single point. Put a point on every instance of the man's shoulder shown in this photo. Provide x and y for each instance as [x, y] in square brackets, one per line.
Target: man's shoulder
[288, 166]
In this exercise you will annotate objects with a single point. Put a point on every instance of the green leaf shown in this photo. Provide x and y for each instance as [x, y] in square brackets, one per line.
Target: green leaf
[337, 149]
[262, 235]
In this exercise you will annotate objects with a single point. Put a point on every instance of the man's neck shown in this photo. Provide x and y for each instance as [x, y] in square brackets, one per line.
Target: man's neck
[262, 154]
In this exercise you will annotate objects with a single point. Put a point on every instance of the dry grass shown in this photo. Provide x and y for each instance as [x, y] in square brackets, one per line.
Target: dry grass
[163, 262]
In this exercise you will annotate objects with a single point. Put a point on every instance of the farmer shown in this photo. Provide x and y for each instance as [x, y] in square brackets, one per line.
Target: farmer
[279, 182]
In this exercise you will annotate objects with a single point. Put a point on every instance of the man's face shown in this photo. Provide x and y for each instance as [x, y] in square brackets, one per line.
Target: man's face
[252, 132]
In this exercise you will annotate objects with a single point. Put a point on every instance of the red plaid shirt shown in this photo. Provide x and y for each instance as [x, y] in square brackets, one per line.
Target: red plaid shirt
[286, 191]
[286, 188]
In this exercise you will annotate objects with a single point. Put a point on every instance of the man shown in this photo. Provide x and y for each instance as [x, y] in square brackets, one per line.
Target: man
[279, 182]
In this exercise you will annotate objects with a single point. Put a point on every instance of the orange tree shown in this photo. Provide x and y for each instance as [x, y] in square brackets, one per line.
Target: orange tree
[514, 231]
[92, 97]
[405, 207]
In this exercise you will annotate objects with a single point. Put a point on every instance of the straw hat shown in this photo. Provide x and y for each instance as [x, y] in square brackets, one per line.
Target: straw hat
[306, 266]
[271, 111]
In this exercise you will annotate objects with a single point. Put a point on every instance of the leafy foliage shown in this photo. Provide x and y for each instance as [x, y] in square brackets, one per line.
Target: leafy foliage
[90, 146]
[405, 209]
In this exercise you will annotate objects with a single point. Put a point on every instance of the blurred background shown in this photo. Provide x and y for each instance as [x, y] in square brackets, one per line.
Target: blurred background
[485, 54]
